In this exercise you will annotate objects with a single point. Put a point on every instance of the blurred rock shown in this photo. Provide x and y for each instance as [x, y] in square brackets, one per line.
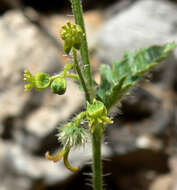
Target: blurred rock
[28, 119]
[55, 110]
[22, 47]
[16, 161]
[135, 28]
[131, 134]
[162, 182]
[20, 163]
[173, 168]
[8, 4]
[56, 5]
[136, 170]
[148, 113]
[118, 7]
[168, 181]
[140, 103]
[149, 142]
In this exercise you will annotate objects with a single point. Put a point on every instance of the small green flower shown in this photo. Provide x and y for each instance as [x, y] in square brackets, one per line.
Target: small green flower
[96, 113]
[72, 35]
[39, 81]
[58, 86]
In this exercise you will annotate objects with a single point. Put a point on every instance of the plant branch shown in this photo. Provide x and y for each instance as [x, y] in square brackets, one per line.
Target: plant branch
[78, 15]
[80, 74]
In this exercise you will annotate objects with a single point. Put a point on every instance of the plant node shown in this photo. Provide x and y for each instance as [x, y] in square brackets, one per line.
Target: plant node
[96, 114]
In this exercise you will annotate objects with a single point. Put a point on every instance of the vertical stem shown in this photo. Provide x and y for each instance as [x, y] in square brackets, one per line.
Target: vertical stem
[87, 95]
[97, 134]
[78, 16]
[97, 164]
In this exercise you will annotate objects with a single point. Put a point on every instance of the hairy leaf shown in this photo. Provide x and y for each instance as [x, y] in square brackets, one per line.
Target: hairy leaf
[117, 80]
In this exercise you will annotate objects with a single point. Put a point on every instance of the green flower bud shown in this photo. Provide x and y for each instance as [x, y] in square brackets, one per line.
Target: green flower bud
[58, 86]
[72, 35]
[39, 81]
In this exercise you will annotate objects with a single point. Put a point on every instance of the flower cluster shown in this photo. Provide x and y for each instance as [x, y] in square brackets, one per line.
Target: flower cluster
[72, 35]
[73, 134]
[96, 114]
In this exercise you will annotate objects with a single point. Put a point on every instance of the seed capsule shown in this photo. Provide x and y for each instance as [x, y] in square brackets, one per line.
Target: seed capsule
[58, 86]
[41, 80]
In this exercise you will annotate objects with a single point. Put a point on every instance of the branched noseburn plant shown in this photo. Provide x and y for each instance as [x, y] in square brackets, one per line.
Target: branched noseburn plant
[115, 82]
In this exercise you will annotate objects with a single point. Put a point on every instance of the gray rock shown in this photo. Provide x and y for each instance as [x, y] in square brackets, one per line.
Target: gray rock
[27, 119]
[16, 161]
[140, 103]
[55, 109]
[41, 124]
[118, 7]
[131, 132]
[22, 47]
[144, 23]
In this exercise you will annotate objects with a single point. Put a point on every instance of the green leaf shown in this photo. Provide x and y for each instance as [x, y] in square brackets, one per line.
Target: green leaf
[116, 81]
[107, 80]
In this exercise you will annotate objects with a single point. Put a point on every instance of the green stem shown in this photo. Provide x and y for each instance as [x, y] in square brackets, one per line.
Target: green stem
[87, 95]
[78, 16]
[97, 164]
[72, 76]
[90, 95]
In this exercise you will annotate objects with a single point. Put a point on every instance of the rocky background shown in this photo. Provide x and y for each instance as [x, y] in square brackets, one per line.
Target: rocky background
[140, 148]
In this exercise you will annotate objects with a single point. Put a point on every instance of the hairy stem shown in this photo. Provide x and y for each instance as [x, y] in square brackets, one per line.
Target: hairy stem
[80, 74]
[97, 164]
[90, 95]
[78, 16]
